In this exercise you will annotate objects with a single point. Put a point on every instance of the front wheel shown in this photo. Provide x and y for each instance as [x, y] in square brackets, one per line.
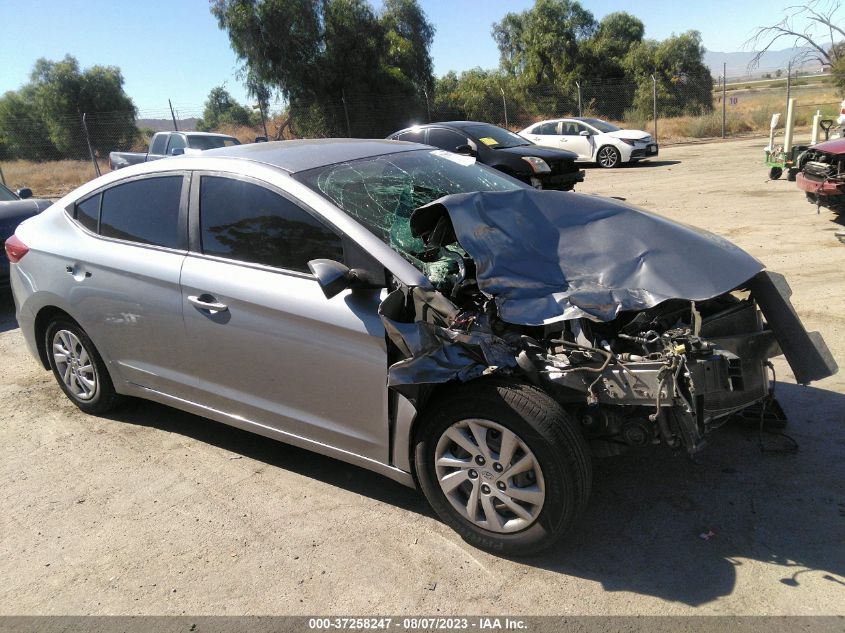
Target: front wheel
[608, 157]
[78, 367]
[503, 465]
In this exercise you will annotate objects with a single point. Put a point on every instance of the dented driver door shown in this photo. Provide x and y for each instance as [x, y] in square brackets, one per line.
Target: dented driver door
[268, 348]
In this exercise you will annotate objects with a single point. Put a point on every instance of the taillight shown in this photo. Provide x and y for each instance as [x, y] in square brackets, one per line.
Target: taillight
[15, 249]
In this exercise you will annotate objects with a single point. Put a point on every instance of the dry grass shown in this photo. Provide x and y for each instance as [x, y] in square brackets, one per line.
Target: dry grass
[51, 179]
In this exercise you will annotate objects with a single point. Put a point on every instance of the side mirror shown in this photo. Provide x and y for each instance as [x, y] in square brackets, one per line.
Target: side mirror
[465, 149]
[333, 276]
[24, 192]
[177, 151]
[584, 133]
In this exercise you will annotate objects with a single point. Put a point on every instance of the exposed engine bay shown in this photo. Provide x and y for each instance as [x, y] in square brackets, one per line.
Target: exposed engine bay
[648, 330]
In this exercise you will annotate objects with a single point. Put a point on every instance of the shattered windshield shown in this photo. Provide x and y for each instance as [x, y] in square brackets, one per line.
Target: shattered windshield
[382, 192]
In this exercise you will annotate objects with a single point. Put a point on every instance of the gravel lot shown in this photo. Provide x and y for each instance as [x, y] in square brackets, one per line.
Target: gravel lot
[153, 511]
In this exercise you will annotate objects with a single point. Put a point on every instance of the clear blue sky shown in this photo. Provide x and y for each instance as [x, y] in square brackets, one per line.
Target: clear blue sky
[173, 48]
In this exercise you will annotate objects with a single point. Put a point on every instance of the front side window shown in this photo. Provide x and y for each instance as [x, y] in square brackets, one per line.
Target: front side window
[144, 211]
[446, 139]
[246, 222]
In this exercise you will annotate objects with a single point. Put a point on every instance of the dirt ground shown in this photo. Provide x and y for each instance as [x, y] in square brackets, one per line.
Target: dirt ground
[153, 511]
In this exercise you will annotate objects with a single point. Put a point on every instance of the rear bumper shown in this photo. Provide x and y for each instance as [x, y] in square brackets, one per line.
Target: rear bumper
[819, 187]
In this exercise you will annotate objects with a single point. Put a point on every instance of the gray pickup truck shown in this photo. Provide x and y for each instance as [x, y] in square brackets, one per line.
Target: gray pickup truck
[164, 144]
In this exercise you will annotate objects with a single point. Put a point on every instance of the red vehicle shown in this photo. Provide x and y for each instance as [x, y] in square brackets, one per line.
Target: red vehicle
[822, 175]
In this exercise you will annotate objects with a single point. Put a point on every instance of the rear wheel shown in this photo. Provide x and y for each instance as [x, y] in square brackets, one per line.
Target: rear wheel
[775, 173]
[608, 156]
[78, 367]
[503, 465]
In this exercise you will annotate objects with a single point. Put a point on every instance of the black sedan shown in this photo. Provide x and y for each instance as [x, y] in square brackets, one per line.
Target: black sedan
[15, 207]
[541, 167]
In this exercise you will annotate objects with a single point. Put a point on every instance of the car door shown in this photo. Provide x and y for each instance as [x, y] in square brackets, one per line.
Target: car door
[572, 140]
[122, 277]
[267, 346]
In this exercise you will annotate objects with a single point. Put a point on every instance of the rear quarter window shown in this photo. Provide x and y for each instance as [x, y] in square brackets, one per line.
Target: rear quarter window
[88, 212]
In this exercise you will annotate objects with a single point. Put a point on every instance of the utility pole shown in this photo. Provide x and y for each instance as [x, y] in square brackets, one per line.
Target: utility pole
[724, 94]
[173, 116]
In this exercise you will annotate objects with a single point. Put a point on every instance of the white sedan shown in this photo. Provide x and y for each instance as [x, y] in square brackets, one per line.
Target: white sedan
[593, 140]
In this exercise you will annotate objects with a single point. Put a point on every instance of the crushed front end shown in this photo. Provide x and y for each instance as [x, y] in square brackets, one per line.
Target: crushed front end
[647, 330]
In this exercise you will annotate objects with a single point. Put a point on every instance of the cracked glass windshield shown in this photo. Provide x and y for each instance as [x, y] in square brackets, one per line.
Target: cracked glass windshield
[382, 192]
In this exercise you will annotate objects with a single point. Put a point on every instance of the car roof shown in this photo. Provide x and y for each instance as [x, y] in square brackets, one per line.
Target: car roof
[302, 155]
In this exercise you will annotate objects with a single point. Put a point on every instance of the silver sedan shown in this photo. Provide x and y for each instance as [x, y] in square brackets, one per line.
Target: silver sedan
[361, 299]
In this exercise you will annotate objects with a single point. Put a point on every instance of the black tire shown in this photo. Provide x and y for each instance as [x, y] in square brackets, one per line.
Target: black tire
[543, 426]
[775, 173]
[104, 397]
[612, 160]
[792, 174]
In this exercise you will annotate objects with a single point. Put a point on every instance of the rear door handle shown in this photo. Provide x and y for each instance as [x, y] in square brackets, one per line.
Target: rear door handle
[207, 302]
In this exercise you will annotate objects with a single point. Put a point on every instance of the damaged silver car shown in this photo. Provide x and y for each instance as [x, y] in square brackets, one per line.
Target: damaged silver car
[409, 311]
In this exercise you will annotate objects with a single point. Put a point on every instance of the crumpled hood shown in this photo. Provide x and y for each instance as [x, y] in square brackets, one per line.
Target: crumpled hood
[548, 256]
[634, 135]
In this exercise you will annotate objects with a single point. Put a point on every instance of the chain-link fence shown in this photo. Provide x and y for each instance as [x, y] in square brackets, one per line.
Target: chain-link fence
[55, 156]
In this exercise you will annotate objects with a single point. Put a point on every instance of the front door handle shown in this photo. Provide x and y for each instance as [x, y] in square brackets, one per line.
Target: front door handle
[207, 302]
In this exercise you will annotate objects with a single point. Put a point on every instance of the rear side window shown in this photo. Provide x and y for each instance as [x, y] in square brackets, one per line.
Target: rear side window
[545, 129]
[88, 212]
[144, 211]
[412, 136]
[445, 139]
[159, 143]
[243, 221]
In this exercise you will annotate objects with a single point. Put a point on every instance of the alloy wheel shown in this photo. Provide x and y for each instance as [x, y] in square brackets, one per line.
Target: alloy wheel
[74, 365]
[607, 157]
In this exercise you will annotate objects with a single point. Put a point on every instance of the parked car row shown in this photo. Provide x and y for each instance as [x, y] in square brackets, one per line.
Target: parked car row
[419, 309]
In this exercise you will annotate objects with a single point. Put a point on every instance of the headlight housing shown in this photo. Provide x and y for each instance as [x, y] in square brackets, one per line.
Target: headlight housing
[628, 141]
[538, 165]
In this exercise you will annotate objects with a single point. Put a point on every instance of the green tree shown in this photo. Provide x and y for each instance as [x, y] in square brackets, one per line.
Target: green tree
[544, 44]
[22, 130]
[222, 109]
[334, 61]
[61, 93]
[684, 84]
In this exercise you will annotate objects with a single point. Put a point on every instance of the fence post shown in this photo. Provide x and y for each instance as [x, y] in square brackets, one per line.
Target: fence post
[427, 107]
[504, 105]
[724, 95]
[654, 101]
[578, 86]
[90, 149]
[2, 177]
[346, 113]
[173, 116]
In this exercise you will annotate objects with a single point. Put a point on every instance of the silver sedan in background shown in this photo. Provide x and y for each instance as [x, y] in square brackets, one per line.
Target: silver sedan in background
[367, 300]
